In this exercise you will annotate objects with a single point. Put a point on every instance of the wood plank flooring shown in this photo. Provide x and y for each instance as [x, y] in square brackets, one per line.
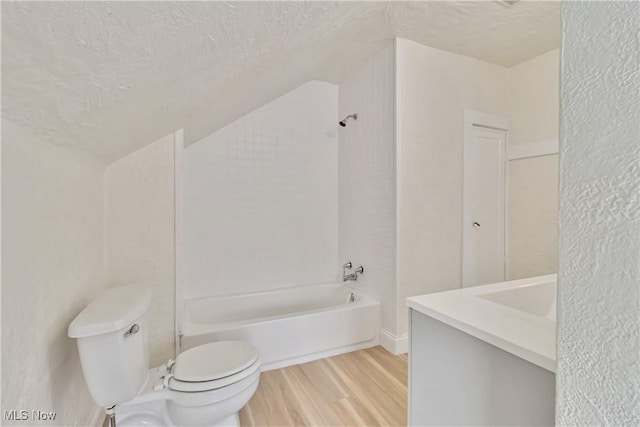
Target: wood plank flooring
[363, 388]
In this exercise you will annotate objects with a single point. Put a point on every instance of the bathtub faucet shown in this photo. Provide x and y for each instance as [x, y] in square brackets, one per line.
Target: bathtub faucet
[351, 276]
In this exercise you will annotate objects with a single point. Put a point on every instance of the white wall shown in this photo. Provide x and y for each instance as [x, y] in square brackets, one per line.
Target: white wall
[532, 217]
[533, 98]
[52, 259]
[140, 236]
[260, 198]
[598, 375]
[434, 88]
[367, 180]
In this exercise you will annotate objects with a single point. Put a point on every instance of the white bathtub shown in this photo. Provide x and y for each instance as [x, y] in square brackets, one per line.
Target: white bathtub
[288, 326]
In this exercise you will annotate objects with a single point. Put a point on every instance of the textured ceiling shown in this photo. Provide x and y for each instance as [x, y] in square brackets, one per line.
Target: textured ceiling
[110, 77]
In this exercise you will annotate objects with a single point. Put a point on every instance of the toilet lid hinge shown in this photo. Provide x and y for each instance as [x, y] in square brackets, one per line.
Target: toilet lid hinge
[165, 382]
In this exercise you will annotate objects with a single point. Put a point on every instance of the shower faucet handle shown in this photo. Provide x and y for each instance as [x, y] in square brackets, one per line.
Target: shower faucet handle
[345, 267]
[351, 276]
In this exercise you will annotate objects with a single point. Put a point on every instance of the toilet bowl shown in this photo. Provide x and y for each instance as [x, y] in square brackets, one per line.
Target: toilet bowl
[205, 386]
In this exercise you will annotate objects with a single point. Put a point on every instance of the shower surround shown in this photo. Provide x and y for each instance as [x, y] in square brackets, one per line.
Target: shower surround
[276, 202]
[261, 235]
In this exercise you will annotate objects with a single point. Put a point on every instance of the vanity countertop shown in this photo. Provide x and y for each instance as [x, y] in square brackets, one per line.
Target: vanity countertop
[516, 316]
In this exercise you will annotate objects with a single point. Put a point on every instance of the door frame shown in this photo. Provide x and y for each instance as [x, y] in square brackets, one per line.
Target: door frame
[479, 119]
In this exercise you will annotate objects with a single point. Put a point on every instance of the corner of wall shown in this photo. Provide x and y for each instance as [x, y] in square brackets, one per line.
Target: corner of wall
[140, 234]
[179, 236]
[368, 199]
[397, 143]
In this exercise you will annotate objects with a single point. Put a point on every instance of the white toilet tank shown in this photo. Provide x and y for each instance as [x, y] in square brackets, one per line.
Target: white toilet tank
[112, 333]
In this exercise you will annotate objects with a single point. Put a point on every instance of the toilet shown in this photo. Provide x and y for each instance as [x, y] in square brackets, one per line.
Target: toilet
[204, 386]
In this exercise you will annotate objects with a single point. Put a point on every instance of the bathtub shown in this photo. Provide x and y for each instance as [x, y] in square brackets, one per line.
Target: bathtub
[288, 326]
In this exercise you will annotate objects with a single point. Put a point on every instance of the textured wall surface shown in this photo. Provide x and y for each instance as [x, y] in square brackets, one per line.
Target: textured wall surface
[140, 234]
[533, 94]
[110, 76]
[261, 198]
[52, 265]
[598, 375]
[434, 88]
[367, 180]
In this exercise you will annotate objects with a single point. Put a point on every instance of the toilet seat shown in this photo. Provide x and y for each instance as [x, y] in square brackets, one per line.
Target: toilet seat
[187, 386]
[214, 360]
[212, 366]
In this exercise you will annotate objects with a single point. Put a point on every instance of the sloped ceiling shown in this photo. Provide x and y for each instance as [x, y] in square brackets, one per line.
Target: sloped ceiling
[111, 77]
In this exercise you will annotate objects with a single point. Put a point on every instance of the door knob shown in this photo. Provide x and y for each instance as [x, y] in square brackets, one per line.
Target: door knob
[475, 225]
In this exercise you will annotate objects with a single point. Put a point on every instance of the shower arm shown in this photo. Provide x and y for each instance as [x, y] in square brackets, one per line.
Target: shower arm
[353, 116]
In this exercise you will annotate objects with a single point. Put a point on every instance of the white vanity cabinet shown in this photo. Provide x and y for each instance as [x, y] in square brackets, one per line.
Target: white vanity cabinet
[475, 362]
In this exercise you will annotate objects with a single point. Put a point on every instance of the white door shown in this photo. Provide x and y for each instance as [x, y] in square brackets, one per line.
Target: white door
[483, 212]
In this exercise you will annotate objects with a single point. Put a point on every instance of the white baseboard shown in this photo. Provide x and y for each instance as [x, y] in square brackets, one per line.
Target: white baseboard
[394, 344]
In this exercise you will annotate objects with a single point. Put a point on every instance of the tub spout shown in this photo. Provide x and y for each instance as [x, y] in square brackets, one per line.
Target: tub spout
[350, 298]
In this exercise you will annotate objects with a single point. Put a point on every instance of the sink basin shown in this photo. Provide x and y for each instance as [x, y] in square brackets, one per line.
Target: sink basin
[537, 299]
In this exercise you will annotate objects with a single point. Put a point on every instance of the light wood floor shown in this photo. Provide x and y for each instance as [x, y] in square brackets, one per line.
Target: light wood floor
[364, 388]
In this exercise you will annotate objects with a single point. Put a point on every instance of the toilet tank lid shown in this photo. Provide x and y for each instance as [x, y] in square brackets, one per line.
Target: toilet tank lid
[114, 309]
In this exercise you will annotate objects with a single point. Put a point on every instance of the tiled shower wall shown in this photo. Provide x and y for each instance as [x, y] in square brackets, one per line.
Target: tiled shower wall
[261, 198]
[368, 180]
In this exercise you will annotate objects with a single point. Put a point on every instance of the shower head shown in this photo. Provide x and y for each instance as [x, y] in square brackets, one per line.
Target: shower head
[343, 122]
